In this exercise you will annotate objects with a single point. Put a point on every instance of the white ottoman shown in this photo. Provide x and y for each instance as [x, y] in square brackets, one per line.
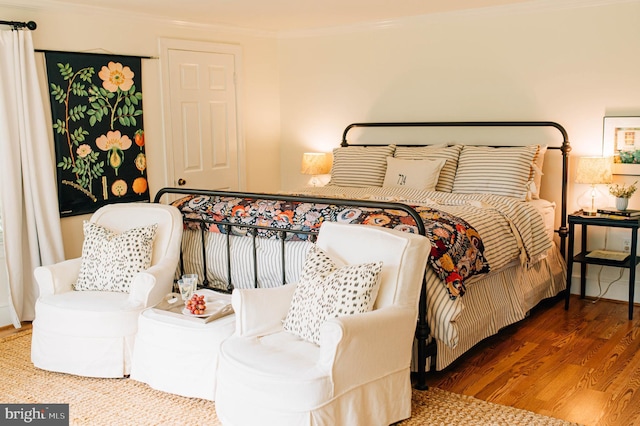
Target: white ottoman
[178, 355]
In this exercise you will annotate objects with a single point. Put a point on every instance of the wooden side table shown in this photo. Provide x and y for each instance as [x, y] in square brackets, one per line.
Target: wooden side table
[630, 262]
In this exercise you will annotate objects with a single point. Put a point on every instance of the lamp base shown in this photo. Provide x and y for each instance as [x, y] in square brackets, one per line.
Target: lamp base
[314, 181]
[591, 200]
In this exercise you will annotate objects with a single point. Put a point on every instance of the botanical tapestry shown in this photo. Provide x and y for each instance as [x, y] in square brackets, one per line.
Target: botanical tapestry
[96, 106]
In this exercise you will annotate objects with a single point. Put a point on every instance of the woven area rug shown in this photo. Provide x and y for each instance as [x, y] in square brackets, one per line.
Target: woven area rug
[126, 402]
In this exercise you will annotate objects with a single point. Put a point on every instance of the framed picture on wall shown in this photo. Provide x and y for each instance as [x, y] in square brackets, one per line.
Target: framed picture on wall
[621, 135]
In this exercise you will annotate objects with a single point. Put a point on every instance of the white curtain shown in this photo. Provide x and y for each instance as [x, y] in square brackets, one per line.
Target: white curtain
[28, 195]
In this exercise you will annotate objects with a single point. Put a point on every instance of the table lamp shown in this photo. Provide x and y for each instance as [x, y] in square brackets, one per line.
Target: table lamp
[593, 171]
[315, 163]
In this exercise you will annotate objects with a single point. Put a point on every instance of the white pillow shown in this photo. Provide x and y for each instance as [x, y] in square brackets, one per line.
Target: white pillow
[435, 152]
[418, 174]
[110, 260]
[500, 171]
[360, 166]
[327, 291]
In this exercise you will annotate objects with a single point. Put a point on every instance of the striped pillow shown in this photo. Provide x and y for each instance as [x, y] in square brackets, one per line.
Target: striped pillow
[360, 166]
[437, 152]
[538, 162]
[500, 171]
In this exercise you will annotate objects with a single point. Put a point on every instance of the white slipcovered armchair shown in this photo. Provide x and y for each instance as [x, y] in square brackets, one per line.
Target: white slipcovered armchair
[358, 374]
[84, 329]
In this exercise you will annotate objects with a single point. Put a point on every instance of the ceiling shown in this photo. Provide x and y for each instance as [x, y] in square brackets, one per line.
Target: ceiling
[275, 15]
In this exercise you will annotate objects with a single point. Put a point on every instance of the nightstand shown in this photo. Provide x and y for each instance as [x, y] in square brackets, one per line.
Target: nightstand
[630, 262]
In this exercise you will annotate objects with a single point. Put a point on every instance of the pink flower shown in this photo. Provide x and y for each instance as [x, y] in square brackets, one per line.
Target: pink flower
[113, 140]
[83, 150]
[115, 144]
[115, 76]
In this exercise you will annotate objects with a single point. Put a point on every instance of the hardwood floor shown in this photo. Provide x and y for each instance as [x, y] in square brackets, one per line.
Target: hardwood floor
[580, 365]
[9, 329]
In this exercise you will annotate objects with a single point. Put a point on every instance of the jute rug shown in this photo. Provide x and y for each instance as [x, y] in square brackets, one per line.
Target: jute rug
[126, 402]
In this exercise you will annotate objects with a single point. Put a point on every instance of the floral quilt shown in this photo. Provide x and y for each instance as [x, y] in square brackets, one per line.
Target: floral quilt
[457, 251]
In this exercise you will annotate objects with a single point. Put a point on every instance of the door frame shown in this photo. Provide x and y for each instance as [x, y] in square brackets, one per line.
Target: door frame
[167, 44]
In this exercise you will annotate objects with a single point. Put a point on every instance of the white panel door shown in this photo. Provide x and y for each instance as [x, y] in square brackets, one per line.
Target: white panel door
[204, 135]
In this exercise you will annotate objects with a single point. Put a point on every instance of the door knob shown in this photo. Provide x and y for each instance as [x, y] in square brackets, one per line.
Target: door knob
[182, 182]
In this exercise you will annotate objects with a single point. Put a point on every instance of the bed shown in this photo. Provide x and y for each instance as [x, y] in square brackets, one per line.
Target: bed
[497, 241]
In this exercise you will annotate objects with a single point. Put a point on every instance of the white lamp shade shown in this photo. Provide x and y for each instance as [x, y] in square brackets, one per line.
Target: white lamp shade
[316, 163]
[594, 170]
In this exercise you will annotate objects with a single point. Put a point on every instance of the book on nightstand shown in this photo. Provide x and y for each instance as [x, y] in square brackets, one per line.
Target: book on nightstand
[609, 255]
[609, 212]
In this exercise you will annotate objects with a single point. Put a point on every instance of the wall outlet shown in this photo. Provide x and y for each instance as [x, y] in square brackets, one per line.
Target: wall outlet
[626, 245]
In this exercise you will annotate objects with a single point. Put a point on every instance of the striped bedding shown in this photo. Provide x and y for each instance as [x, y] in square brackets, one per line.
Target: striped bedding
[494, 302]
[511, 231]
[242, 267]
[509, 228]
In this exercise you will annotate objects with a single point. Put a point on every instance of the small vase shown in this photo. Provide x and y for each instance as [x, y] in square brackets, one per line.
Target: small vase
[622, 203]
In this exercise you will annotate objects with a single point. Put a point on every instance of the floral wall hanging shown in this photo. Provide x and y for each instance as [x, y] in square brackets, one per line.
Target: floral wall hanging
[96, 106]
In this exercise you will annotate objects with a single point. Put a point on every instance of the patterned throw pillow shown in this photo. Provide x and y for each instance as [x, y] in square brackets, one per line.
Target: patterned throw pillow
[110, 260]
[327, 291]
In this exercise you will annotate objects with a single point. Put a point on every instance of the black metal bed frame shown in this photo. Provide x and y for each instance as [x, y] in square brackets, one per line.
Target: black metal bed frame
[564, 148]
[425, 348]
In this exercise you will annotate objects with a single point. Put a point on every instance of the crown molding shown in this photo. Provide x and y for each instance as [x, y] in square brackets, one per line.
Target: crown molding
[533, 6]
[526, 7]
[60, 7]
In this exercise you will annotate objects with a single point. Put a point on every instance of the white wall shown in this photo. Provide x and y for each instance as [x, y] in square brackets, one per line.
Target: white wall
[571, 65]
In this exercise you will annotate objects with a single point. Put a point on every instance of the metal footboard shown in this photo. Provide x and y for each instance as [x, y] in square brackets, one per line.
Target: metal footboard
[252, 232]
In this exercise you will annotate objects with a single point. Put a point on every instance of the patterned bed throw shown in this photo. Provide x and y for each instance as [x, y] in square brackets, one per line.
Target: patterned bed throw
[457, 251]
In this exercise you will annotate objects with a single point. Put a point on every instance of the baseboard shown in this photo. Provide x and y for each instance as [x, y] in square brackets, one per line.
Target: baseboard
[618, 291]
[5, 316]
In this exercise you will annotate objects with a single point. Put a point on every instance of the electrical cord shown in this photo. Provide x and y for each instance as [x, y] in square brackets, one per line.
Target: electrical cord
[602, 294]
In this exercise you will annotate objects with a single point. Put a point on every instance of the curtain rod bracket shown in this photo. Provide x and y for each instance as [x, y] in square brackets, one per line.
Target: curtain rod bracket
[17, 25]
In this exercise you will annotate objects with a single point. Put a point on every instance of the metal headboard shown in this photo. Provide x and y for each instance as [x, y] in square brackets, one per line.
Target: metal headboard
[564, 148]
